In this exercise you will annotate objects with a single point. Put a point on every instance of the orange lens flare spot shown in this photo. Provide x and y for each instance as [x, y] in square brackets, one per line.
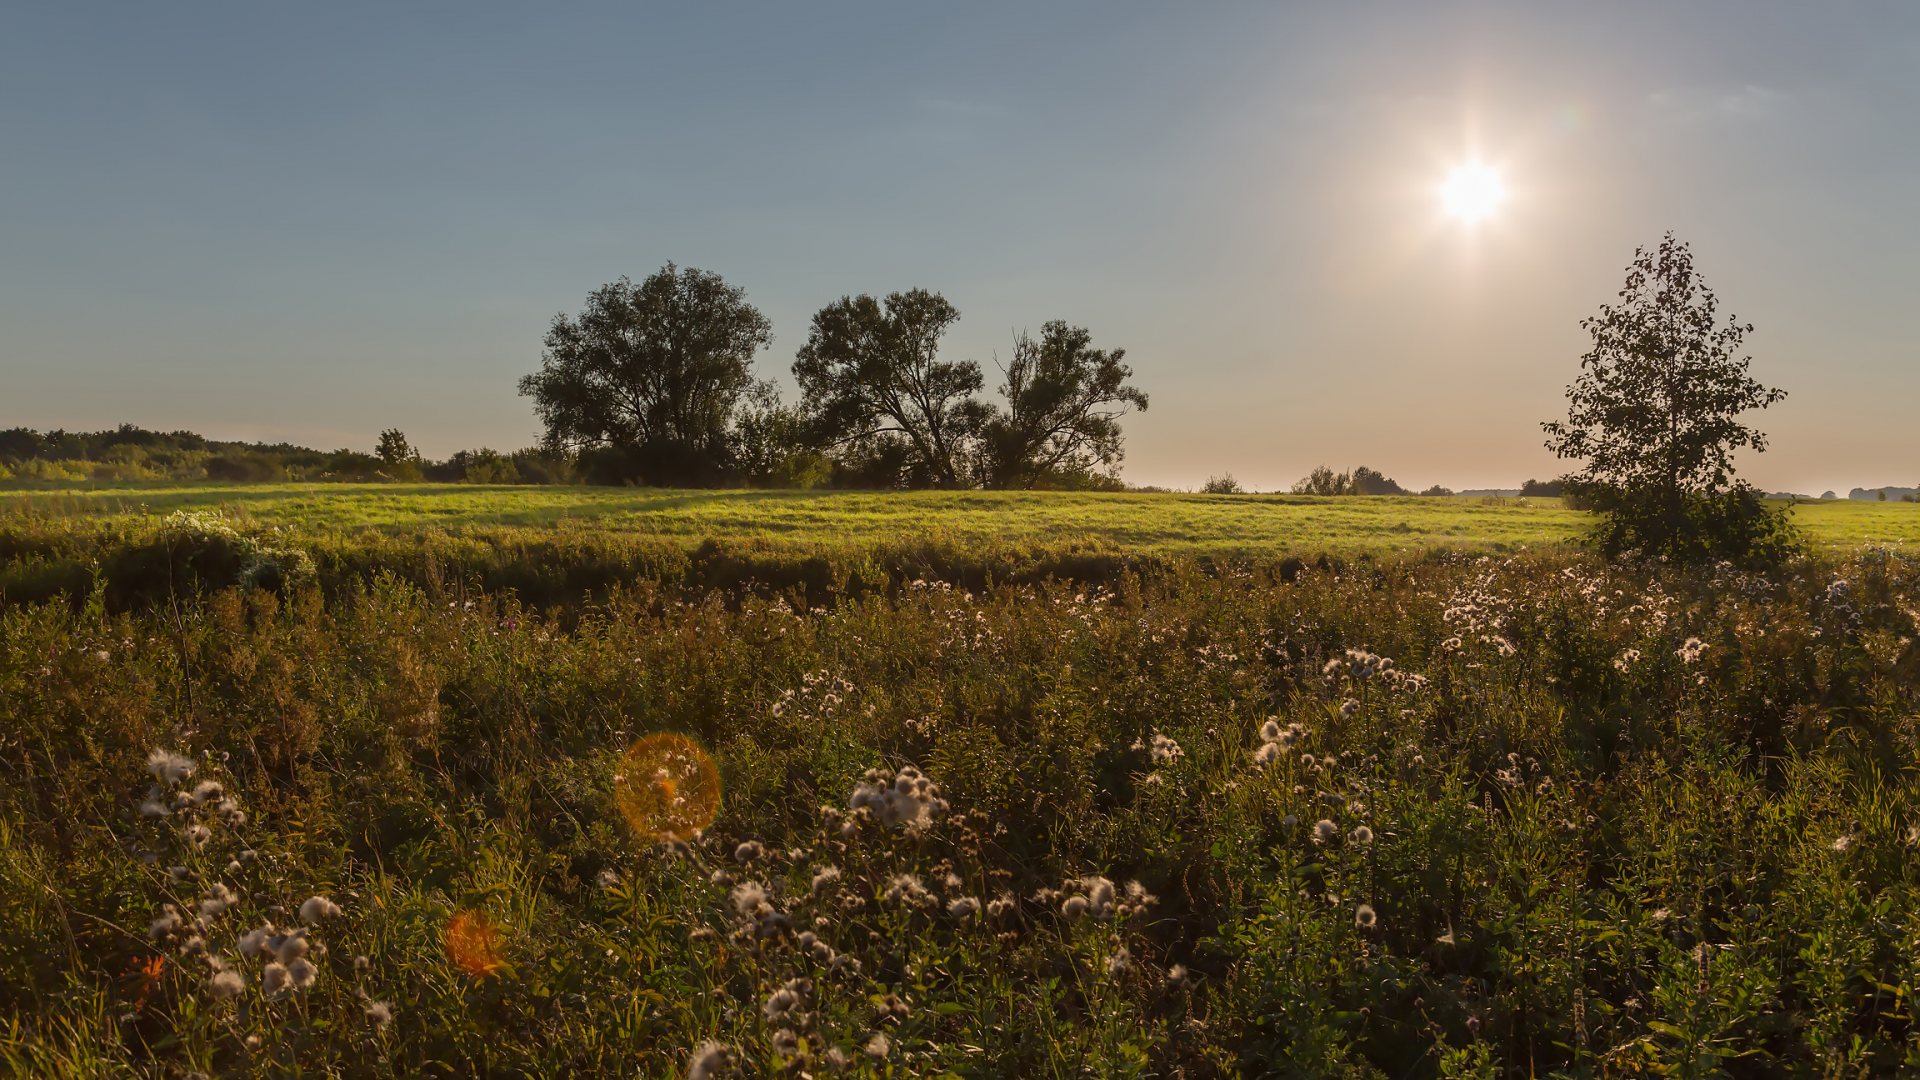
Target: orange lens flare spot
[668, 788]
[473, 944]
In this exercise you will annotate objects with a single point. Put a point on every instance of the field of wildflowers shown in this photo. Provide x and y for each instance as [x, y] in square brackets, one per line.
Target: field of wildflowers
[1440, 815]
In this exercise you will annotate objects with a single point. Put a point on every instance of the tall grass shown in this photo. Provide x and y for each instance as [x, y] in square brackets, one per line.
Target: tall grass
[1591, 820]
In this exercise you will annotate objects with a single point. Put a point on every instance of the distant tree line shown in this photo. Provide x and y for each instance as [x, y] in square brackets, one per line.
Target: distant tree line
[130, 453]
[652, 383]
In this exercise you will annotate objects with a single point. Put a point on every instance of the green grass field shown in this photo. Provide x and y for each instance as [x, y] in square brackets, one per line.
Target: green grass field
[1255, 526]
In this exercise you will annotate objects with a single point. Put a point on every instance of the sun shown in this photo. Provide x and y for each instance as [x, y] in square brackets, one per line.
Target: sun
[1472, 191]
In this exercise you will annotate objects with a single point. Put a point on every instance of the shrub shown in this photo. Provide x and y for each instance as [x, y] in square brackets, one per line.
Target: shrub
[1222, 485]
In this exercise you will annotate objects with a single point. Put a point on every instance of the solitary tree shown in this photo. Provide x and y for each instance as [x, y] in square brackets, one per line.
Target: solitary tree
[1064, 404]
[650, 373]
[868, 370]
[1655, 415]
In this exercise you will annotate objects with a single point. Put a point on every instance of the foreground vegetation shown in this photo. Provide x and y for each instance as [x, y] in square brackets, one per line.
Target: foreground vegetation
[1440, 814]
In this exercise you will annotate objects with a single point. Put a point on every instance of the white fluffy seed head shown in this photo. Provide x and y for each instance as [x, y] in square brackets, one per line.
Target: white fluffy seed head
[709, 1061]
[316, 908]
[226, 983]
[168, 767]
[964, 907]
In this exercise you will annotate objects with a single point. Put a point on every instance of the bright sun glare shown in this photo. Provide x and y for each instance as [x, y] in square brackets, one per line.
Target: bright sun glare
[1472, 191]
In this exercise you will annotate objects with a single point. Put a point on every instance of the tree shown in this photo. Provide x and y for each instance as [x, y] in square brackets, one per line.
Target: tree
[1064, 404]
[868, 371]
[1655, 416]
[647, 377]
[394, 448]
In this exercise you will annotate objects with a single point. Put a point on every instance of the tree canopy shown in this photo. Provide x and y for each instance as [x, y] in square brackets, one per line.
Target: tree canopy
[869, 369]
[1064, 403]
[1655, 414]
[651, 372]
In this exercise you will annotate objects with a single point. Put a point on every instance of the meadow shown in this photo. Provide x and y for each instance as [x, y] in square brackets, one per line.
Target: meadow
[944, 785]
[1245, 526]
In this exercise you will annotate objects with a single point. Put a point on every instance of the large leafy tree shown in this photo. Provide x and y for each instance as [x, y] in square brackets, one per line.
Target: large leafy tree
[1655, 414]
[650, 373]
[1065, 399]
[869, 371]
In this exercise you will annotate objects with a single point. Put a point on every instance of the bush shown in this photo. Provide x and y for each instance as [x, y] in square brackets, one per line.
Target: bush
[1732, 524]
[245, 468]
[1544, 489]
[1222, 485]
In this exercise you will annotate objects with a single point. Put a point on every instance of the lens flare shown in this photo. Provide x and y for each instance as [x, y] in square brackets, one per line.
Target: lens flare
[1472, 191]
[473, 944]
[667, 787]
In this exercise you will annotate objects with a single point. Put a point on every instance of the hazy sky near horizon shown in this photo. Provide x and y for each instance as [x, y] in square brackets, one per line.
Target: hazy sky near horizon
[312, 223]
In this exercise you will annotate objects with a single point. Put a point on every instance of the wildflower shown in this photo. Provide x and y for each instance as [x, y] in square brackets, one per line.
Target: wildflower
[708, 1061]
[198, 835]
[906, 888]
[964, 907]
[749, 897]
[1324, 831]
[1363, 835]
[836, 1059]
[607, 878]
[274, 982]
[1270, 731]
[1308, 760]
[779, 1004]
[1843, 842]
[316, 908]
[1165, 749]
[225, 983]
[1348, 708]
[749, 852]
[218, 899]
[379, 1014]
[1099, 895]
[1267, 754]
[1000, 906]
[909, 801]
[721, 878]
[1363, 917]
[1451, 644]
[1626, 660]
[1289, 821]
[1691, 650]
[1074, 907]
[166, 925]
[301, 973]
[825, 876]
[1119, 962]
[878, 1046]
[252, 1043]
[786, 1043]
[361, 965]
[169, 768]
[153, 807]
[1332, 669]
[206, 791]
[289, 947]
[255, 941]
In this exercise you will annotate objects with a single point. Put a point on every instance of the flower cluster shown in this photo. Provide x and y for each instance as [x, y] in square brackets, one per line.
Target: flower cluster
[906, 799]
[1276, 740]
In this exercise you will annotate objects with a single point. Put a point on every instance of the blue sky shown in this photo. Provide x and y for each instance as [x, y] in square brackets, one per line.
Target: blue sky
[312, 223]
